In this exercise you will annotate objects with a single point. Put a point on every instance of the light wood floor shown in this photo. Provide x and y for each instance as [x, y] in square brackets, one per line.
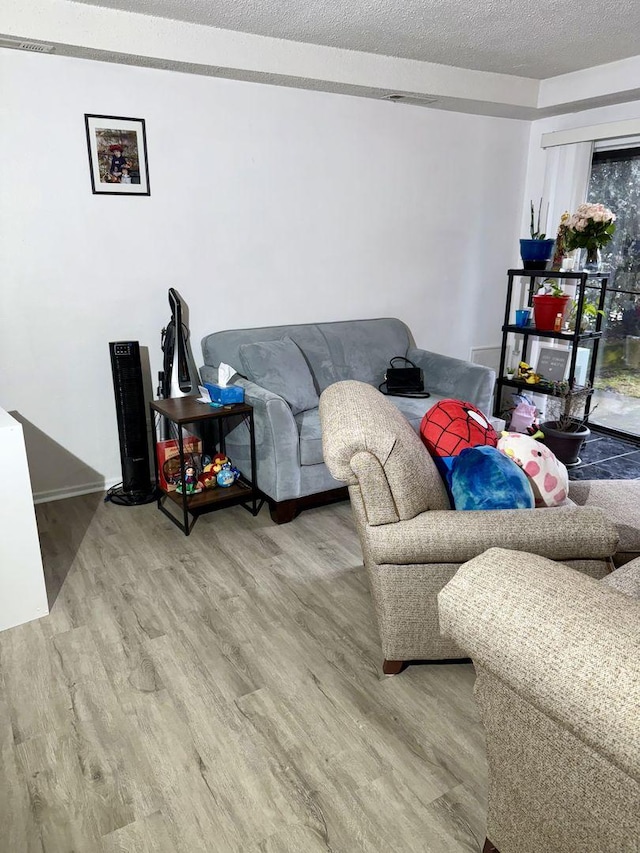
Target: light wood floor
[222, 693]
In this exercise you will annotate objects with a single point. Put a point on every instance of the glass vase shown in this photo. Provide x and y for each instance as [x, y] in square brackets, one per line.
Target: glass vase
[592, 260]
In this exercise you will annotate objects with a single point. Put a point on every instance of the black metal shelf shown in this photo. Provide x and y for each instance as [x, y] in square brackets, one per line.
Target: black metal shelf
[558, 274]
[535, 388]
[584, 281]
[569, 337]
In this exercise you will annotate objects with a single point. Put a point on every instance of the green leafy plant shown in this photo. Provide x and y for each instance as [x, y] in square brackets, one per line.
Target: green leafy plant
[589, 314]
[534, 229]
[552, 288]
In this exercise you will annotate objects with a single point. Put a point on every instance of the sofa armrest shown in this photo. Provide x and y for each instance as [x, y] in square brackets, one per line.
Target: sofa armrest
[562, 641]
[277, 439]
[453, 377]
[255, 395]
[451, 536]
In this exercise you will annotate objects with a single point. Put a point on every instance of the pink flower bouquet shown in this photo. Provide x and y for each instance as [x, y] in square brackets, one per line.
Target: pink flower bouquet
[591, 227]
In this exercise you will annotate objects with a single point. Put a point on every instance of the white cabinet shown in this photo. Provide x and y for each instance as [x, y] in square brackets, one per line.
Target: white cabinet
[23, 595]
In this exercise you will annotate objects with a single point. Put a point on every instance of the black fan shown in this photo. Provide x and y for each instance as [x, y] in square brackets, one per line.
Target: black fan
[136, 485]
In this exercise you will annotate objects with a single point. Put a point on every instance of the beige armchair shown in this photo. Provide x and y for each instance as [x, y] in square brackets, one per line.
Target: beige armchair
[557, 657]
[412, 542]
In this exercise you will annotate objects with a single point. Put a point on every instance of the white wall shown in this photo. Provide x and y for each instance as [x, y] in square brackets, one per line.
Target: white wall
[268, 205]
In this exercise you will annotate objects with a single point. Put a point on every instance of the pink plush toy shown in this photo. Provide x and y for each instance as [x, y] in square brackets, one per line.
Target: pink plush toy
[548, 477]
[523, 417]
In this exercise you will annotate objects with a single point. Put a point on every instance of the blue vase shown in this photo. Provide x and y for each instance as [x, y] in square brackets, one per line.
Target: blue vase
[536, 254]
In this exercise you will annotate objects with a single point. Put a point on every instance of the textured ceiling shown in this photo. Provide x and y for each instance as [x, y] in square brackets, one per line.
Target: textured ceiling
[539, 40]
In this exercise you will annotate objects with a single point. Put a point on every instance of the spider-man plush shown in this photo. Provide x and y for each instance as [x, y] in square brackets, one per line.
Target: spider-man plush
[452, 425]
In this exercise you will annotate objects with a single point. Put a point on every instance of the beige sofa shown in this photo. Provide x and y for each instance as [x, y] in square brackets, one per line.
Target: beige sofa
[557, 657]
[620, 499]
[412, 541]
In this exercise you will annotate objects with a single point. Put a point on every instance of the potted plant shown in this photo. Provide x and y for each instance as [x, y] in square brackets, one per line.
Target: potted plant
[589, 316]
[536, 251]
[548, 303]
[565, 432]
[591, 227]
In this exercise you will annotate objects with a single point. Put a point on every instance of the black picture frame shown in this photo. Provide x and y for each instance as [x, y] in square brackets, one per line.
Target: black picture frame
[112, 173]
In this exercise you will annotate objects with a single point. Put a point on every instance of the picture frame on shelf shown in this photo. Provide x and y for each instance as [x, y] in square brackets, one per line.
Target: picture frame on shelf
[118, 161]
[552, 363]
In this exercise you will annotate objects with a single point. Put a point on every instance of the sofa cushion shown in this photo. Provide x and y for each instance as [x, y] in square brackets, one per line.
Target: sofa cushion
[362, 350]
[225, 346]
[413, 408]
[310, 437]
[280, 367]
[333, 351]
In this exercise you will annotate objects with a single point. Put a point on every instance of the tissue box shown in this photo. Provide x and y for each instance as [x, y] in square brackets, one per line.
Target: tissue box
[225, 394]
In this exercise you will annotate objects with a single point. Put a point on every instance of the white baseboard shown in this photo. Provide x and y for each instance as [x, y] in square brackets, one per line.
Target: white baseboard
[73, 491]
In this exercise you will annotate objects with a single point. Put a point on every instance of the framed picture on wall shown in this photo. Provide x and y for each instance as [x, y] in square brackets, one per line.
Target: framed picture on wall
[117, 155]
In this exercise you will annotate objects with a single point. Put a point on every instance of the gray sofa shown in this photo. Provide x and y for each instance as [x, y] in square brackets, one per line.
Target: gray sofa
[284, 393]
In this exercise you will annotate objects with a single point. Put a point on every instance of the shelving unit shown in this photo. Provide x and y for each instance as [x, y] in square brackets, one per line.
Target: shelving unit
[188, 410]
[584, 282]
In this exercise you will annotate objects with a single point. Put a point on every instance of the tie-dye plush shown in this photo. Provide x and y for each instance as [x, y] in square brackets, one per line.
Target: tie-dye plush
[484, 478]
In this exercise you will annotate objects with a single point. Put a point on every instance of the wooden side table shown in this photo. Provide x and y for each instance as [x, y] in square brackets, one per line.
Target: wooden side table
[187, 410]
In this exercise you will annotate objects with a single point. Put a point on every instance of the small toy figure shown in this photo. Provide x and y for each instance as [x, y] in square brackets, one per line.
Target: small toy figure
[219, 460]
[225, 478]
[227, 475]
[527, 374]
[207, 479]
[192, 486]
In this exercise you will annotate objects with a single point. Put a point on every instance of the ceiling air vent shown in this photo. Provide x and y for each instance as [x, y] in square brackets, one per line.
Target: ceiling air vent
[21, 44]
[414, 100]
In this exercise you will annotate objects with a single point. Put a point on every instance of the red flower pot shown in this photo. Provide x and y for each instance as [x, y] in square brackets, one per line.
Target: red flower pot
[546, 308]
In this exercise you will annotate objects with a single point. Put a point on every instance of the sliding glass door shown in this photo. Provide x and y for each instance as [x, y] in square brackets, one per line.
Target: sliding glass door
[615, 181]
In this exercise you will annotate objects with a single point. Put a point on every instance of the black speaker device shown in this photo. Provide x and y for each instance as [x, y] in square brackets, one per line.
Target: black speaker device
[132, 425]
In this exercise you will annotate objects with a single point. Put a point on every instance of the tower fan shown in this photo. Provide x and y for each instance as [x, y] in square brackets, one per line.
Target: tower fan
[136, 485]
